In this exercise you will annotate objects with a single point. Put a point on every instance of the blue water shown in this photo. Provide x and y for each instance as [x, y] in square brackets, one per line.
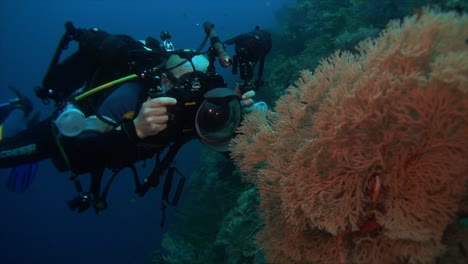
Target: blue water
[36, 226]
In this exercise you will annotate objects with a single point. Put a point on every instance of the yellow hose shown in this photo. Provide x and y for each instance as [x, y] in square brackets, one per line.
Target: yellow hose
[105, 86]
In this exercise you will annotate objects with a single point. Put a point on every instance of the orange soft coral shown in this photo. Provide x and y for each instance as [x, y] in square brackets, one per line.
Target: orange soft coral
[366, 160]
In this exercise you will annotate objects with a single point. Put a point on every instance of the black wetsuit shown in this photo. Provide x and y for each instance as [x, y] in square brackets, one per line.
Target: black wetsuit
[251, 48]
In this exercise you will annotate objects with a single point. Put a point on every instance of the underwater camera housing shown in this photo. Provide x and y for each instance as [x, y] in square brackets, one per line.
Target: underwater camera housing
[204, 108]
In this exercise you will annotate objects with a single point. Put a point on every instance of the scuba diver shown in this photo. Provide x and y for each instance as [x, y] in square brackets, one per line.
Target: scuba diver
[21, 176]
[167, 42]
[119, 101]
[251, 48]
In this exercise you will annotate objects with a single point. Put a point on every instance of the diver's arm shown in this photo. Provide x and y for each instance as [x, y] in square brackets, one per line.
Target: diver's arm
[122, 145]
[235, 64]
[115, 148]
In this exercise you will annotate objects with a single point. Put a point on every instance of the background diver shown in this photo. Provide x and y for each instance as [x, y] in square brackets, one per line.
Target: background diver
[251, 48]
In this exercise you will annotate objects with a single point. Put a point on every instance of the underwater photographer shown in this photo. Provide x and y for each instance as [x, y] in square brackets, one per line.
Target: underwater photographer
[251, 49]
[120, 100]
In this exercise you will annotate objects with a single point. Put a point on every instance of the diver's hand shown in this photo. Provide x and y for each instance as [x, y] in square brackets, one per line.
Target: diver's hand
[247, 101]
[153, 117]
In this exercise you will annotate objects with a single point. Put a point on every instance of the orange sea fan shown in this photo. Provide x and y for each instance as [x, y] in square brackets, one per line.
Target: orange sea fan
[379, 139]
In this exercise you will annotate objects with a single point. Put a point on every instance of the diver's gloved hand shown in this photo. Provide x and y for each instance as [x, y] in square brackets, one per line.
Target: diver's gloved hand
[247, 98]
[21, 102]
[247, 101]
[153, 116]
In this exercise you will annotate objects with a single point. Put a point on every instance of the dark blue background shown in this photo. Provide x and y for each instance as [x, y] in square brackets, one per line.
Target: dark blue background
[36, 226]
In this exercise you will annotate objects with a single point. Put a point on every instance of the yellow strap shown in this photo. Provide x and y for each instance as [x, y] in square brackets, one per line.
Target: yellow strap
[105, 86]
[1, 132]
[64, 155]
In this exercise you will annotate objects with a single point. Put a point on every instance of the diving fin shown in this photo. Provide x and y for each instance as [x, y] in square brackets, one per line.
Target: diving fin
[21, 177]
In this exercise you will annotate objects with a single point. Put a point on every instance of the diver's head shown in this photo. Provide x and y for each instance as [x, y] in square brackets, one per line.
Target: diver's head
[178, 66]
[167, 44]
[165, 35]
[179, 71]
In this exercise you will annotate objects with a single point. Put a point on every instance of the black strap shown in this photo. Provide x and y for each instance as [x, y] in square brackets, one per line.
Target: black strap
[69, 35]
[96, 179]
[167, 189]
[159, 169]
[99, 200]
[260, 67]
[168, 186]
[154, 179]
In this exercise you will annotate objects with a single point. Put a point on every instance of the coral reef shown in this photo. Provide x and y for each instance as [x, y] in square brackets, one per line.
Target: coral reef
[235, 242]
[350, 40]
[217, 217]
[366, 159]
[311, 30]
